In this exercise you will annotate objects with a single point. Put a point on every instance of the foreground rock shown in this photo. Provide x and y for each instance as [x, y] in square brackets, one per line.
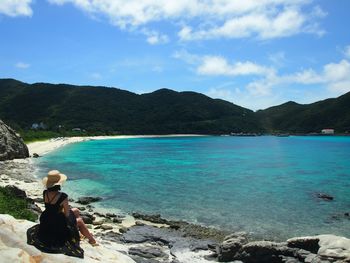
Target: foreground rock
[11, 145]
[311, 249]
[88, 199]
[14, 248]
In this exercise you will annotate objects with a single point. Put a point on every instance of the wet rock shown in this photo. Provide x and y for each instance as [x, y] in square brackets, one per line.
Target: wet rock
[35, 155]
[88, 199]
[11, 144]
[151, 218]
[325, 197]
[148, 252]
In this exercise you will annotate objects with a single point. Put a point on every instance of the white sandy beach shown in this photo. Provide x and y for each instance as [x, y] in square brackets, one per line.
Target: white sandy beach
[44, 147]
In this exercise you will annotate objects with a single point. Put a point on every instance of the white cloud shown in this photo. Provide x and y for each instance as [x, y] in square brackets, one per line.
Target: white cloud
[215, 65]
[154, 37]
[22, 65]
[334, 76]
[207, 19]
[16, 7]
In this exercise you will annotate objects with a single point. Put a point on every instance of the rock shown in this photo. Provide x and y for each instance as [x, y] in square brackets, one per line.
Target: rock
[11, 144]
[325, 197]
[123, 230]
[151, 218]
[306, 243]
[36, 209]
[144, 260]
[14, 247]
[88, 199]
[334, 248]
[98, 223]
[264, 252]
[87, 218]
[111, 215]
[106, 227]
[35, 155]
[117, 220]
[38, 200]
[16, 191]
[147, 252]
[230, 246]
[139, 223]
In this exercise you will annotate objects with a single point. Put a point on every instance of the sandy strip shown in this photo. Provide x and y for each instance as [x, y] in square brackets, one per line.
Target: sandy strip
[44, 147]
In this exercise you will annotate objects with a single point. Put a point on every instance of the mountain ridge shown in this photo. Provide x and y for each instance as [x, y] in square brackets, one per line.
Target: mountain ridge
[109, 109]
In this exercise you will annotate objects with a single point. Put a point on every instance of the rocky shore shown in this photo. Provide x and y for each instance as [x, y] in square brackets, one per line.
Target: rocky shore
[151, 238]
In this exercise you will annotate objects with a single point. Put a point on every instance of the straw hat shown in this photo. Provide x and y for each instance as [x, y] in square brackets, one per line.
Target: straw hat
[53, 178]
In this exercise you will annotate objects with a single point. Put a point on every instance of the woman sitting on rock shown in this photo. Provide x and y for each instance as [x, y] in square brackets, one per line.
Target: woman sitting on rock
[59, 225]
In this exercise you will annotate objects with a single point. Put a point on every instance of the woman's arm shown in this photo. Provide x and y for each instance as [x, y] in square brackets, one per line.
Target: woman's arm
[65, 207]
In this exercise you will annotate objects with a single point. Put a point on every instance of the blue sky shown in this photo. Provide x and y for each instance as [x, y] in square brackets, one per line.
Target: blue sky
[254, 53]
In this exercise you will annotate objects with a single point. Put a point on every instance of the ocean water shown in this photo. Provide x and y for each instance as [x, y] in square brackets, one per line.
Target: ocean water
[263, 185]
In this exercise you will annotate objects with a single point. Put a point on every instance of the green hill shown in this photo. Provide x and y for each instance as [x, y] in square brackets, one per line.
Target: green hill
[296, 118]
[110, 110]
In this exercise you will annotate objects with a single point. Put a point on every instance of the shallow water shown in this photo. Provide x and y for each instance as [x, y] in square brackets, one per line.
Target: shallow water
[263, 185]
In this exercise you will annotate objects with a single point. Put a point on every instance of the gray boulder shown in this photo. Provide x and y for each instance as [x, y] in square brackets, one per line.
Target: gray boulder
[230, 246]
[11, 145]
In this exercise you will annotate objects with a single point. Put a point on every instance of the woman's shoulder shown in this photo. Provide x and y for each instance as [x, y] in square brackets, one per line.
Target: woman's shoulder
[64, 195]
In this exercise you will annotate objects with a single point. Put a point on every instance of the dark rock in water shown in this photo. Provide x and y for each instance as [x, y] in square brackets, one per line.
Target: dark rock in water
[147, 252]
[325, 197]
[346, 214]
[188, 229]
[88, 199]
[11, 144]
[16, 191]
[71, 200]
[151, 218]
[35, 155]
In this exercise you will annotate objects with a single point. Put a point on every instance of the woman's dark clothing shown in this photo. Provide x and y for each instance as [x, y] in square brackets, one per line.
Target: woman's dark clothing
[56, 233]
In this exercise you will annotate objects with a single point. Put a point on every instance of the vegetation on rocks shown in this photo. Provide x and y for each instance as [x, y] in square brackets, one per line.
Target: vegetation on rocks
[15, 206]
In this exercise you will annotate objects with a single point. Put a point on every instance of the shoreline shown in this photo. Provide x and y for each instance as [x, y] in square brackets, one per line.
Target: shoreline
[175, 241]
[47, 146]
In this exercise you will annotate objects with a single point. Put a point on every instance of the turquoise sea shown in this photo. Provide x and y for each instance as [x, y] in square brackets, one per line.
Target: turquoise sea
[264, 185]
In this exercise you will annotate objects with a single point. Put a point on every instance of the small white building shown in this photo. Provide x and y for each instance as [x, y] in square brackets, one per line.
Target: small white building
[327, 131]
